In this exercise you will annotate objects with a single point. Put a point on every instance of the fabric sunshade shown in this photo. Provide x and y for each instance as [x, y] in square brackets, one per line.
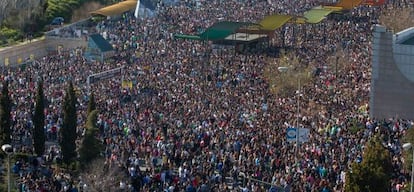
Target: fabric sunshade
[273, 22]
[116, 9]
[221, 30]
[348, 4]
[183, 36]
[316, 15]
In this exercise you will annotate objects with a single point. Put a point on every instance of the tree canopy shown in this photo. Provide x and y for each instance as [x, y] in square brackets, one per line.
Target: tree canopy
[91, 146]
[68, 130]
[91, 103]
[39, 121]
[373, 173]
[5, 116]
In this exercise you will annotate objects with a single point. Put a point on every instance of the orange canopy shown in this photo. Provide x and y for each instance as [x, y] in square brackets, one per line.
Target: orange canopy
[348, 4]
[374, 2]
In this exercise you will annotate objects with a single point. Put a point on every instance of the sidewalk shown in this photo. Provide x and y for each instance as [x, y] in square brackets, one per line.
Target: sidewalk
[22, 43]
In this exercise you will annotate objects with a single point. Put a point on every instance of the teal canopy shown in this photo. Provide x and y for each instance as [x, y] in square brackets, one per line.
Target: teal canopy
[217, 31]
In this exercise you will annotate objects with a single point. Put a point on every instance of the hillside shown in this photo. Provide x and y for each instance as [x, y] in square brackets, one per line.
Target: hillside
[22, 18]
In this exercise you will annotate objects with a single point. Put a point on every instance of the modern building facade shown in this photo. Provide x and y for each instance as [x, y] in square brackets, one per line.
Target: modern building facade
[392, 84]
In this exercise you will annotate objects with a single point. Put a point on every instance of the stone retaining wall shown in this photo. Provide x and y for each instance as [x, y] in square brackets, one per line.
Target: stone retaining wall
[38, 48]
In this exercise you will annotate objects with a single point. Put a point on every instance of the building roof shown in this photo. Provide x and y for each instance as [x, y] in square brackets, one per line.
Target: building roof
[116, 9]
[101, 43]
[409, 41]
[405, 37]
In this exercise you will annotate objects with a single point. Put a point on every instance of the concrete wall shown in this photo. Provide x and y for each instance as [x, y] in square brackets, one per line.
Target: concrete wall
[37, 49]
[392, 93]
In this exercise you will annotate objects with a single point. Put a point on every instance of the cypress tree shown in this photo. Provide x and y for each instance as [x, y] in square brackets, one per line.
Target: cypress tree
[91, 104]
[373, 173]
[68, 129]
[91, 146]
[39, 121]
[5, 117]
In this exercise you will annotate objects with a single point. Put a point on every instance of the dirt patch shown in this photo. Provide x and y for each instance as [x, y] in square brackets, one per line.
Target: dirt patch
[84, 11]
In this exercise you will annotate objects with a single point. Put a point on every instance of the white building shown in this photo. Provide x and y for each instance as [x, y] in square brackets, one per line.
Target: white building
[392, 84]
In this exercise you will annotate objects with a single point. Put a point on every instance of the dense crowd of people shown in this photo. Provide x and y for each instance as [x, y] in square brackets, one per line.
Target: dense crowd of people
[195, 118]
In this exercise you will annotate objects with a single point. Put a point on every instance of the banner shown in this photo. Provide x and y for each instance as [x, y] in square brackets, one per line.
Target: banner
[104, 75]
[303, 135]
[6, 61]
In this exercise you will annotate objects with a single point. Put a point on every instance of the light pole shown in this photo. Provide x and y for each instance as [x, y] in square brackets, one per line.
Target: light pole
[8, 149]
[408, 146]
[297, 122]
[283, 70]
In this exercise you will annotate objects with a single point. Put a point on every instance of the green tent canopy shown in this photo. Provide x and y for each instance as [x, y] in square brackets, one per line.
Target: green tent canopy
[218, 31]
[317, 14]
[221, 30]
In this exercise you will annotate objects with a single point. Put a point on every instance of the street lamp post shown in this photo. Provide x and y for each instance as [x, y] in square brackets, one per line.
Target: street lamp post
[283, 70]
[297, 121]
[8, 149]
[408, 146]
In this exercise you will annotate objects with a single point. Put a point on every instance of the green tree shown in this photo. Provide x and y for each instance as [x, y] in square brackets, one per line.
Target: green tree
[91, 104]
[39, 121]
[408, 155]
[5, 117]
[373, 173]
[65, 8]
[91, 146]
[68, 130]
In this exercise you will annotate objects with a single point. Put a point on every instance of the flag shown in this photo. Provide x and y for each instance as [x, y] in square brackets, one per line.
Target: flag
[127, 84]
[136, 14]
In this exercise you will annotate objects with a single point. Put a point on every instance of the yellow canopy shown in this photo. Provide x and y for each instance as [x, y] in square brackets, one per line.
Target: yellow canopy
[298, 20]
[116, 9]
[334, 8]
[316, 14]
[273, 22]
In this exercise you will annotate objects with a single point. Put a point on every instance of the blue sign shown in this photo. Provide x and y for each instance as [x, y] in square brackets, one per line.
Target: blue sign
[291, 134]
[303, 134]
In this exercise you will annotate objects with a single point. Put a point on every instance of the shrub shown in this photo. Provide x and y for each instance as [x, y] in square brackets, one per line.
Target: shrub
[9, 33]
